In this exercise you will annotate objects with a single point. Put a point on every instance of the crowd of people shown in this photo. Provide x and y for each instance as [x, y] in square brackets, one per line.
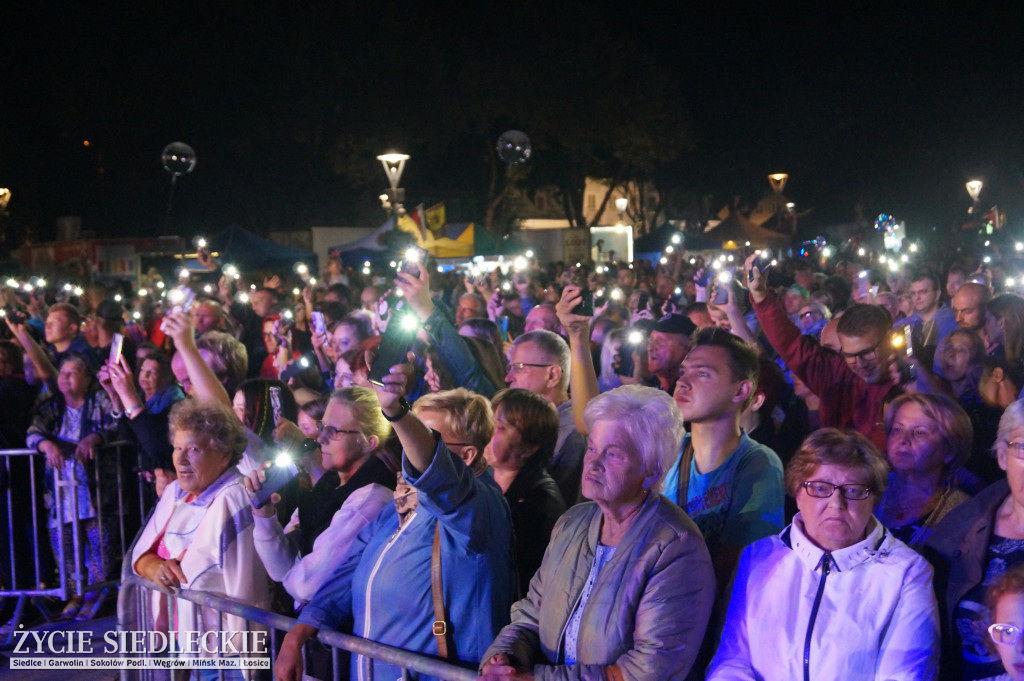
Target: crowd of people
[717, 467]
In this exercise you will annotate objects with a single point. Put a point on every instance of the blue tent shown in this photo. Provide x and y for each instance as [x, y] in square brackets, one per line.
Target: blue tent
[247, 251]
[369, 247]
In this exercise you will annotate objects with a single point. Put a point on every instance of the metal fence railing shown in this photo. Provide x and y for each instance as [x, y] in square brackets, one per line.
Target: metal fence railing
[136, 613]
[36, 501]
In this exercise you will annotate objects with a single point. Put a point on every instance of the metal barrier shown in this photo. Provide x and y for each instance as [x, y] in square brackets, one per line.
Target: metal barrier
[134, 613]
[29, 529]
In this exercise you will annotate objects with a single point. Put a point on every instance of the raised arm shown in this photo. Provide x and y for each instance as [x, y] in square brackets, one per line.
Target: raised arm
[205, 386]
[582, 375]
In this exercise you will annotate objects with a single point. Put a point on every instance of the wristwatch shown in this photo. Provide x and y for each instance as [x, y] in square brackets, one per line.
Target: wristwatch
[406, 408]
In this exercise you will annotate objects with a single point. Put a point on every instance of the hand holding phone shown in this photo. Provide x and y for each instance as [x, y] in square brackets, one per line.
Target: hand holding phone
[275, 478]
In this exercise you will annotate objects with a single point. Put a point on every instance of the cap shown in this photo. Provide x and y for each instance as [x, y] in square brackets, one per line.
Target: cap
[800, 290]
[675, 323]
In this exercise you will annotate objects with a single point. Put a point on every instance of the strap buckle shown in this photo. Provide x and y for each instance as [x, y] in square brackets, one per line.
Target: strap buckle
[440, 628]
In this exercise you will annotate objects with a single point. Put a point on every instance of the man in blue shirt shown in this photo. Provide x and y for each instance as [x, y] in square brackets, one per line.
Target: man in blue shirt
[729, 484]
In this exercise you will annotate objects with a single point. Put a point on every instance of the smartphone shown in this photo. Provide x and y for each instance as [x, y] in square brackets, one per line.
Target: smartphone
[278, 475]
[903, 345]
[319, 326]
[863, 284]
[394, 346]
[763, 260]
[14, 314]
[634, 341]
[116, 343]
[413, 256]
[502, 322]
[275, 403]
[586, 305]
[724, 280]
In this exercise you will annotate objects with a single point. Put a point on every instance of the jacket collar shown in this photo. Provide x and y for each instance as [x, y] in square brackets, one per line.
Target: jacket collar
[594, 533]
[842, 559]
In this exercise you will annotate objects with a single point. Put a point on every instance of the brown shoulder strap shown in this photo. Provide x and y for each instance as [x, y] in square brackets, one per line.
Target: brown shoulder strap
[684, 474]
[441, 632]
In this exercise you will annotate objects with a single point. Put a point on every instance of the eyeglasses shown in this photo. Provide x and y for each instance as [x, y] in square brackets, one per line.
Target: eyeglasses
[332, 433]
[864, 355]
[823, 490]
[1016, 448]
[1004, 634]
[519, 366]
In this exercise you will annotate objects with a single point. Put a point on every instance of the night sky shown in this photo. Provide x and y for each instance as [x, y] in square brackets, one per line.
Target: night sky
[288, 103]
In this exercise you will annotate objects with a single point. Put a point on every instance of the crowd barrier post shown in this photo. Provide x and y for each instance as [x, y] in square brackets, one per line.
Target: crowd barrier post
[17, 583]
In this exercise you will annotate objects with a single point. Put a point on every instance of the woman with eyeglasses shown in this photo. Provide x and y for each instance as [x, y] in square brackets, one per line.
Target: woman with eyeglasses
[1006, 603]
[836, 595]
[972, 547]
[356, 486]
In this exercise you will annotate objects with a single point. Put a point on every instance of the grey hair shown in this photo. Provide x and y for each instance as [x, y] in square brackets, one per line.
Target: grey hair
[1012, 419]
[552, 345]
[650, 420]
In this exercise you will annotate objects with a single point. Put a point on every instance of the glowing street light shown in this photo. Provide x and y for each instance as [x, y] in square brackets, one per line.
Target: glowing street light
[974, 189]
[394, 166]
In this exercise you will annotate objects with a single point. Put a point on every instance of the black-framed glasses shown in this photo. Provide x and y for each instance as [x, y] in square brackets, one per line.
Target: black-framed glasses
[865, 355]
[823, 490]
[519, 366]
[1004, 634]
[332, 433]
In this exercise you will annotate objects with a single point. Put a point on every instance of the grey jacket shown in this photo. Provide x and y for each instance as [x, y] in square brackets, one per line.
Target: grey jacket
[646, 614]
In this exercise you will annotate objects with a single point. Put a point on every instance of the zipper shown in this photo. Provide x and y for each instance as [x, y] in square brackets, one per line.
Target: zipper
[369, 582]
[826, 560]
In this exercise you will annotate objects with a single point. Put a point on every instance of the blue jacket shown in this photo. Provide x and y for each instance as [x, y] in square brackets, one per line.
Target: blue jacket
[383, 585]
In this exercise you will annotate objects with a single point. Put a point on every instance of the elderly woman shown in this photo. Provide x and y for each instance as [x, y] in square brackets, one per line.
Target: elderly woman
[972, 547]
[836, 595]
[626, 586]
[200, 535]
[929, 438]
[525, 431]
[445, 503]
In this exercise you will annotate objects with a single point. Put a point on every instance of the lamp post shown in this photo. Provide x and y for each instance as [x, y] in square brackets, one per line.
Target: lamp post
[974, 189]
[394, 164]
[778, 181]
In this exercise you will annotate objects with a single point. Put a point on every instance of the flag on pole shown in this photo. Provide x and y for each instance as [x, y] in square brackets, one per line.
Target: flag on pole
[435, 218]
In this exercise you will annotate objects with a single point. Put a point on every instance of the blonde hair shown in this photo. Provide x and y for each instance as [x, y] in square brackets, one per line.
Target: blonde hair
[366, 409]
[467, 414]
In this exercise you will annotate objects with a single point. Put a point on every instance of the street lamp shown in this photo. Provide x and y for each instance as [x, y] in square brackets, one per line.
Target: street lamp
[778, 181]
[974, 189]
[394, 164]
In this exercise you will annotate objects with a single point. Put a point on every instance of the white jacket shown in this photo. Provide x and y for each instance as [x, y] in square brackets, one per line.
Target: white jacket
[211, 536]
[877, 617]
[302, 575]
